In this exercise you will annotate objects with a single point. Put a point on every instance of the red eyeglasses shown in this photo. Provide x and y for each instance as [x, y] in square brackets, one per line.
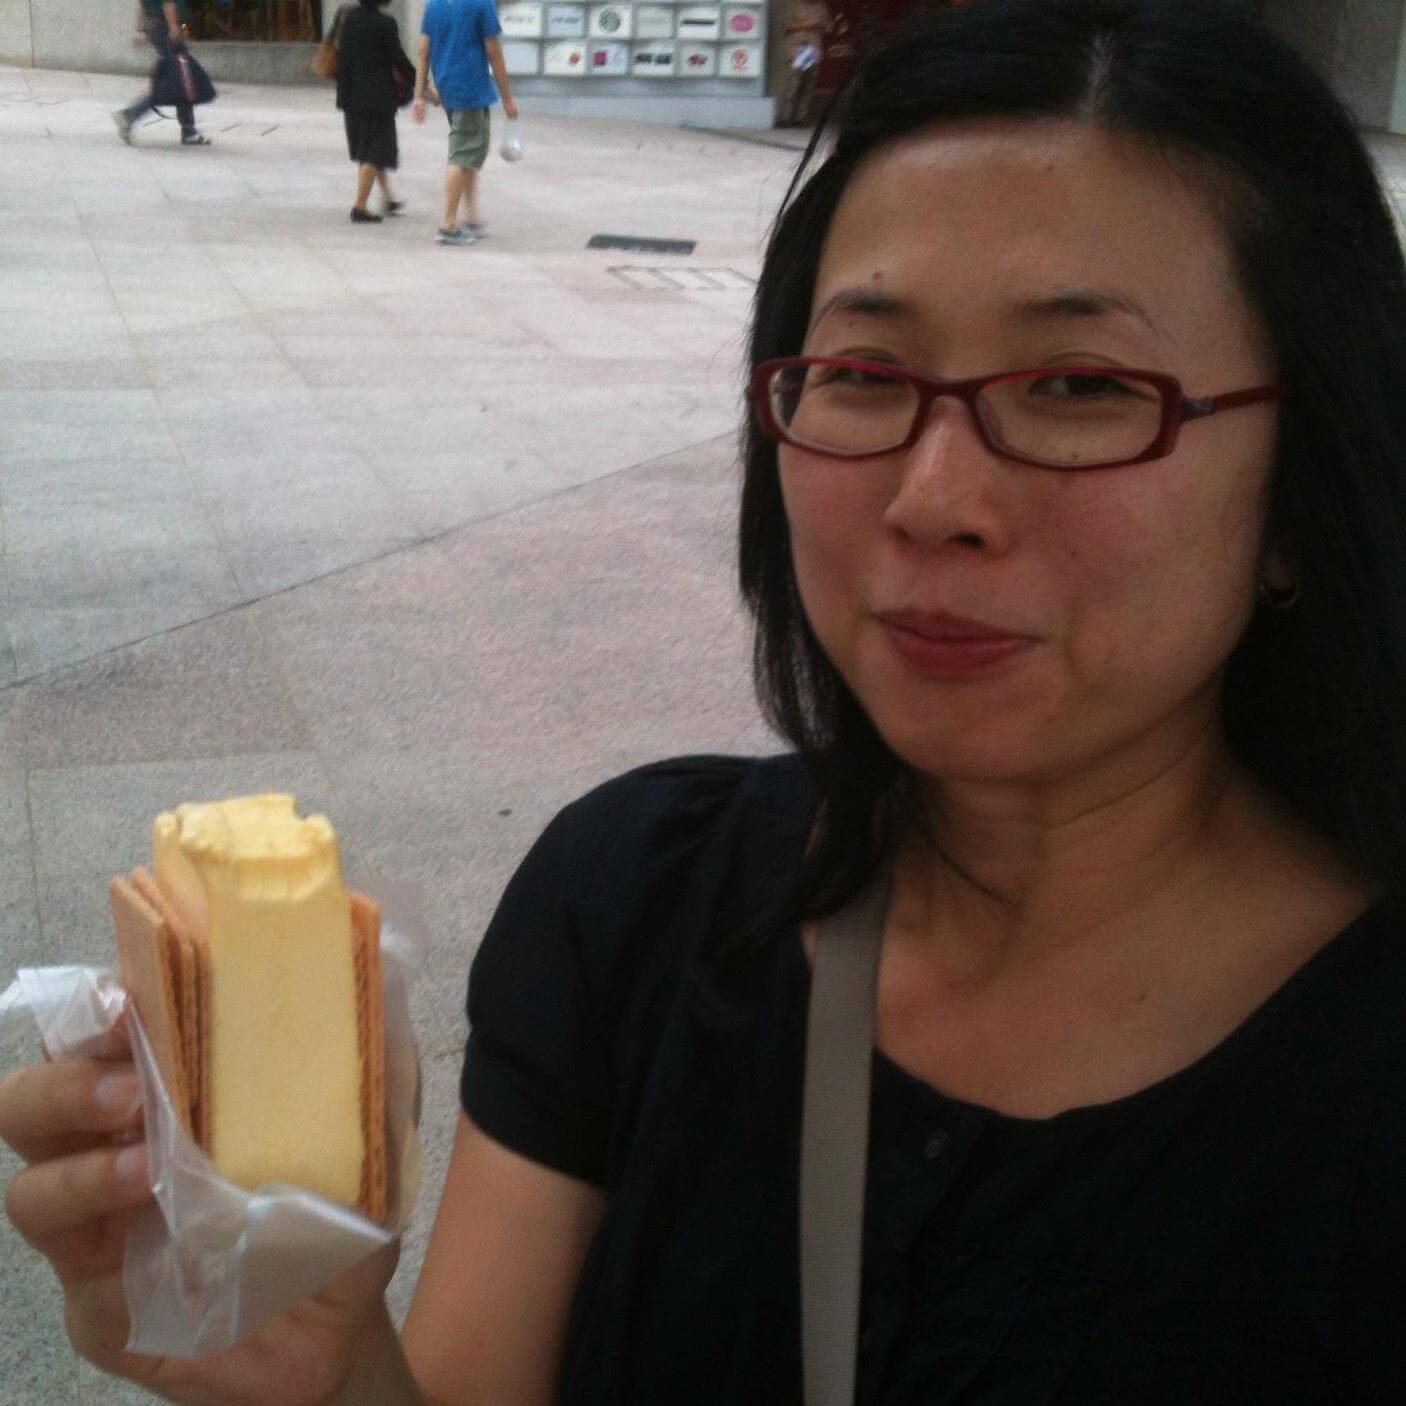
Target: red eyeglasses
[1050, 417]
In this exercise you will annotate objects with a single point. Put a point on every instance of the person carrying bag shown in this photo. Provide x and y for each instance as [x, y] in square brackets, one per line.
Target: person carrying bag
[177, 81]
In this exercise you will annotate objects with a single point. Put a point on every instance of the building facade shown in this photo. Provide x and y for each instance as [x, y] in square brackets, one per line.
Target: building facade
[675, 61]
[671, 61]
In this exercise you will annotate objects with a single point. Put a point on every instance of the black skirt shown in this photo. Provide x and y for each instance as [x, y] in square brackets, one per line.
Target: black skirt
[371, 139]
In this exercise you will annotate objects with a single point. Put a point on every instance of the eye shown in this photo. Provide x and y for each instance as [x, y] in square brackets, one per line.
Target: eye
[1084, 386]
[851, 377]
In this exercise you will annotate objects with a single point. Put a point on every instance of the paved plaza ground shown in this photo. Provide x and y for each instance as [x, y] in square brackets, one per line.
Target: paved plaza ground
[435, 538]
[516, 460]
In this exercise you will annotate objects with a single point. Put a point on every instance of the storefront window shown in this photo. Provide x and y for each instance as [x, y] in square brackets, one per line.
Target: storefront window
[264, 21]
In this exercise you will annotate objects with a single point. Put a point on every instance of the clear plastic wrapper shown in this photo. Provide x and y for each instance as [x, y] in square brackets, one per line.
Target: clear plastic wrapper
[512, 147]
[208, 1263]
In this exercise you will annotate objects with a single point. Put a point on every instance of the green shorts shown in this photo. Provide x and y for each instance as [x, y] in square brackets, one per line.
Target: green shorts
[468, 137]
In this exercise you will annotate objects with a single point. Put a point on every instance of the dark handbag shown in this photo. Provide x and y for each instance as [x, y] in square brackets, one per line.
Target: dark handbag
[178, 78]
[404, 80]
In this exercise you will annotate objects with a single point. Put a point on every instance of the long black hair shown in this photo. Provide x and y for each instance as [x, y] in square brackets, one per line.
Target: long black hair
[1315, 696]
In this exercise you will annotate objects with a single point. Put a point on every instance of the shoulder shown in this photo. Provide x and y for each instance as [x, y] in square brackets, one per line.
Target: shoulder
[643, 862]
[668, 809]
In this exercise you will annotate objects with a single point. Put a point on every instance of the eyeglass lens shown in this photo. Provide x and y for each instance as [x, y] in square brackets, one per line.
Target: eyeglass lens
[1063, 420]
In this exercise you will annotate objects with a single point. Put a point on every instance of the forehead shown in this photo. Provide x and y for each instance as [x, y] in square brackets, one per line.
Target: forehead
[968, 218]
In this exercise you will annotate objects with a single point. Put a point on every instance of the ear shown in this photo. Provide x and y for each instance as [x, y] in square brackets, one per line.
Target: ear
[1275, 573]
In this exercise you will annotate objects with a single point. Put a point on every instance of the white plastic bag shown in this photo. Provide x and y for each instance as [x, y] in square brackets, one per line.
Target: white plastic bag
[511, 149]
[209, 1262]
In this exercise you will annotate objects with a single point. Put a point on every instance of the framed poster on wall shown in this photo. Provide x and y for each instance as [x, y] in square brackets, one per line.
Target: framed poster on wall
[740, 61]
[700, 23]
[566, 21]
[521, 20]
[521, 57]
[611, 21]
[698, 61]
[654, 22]
[566, 59]
[605, 59]
[653, 59]
[744, 22]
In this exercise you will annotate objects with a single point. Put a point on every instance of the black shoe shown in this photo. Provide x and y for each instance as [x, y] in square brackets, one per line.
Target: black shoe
[363, 217]
[195, 139]
[394, 207]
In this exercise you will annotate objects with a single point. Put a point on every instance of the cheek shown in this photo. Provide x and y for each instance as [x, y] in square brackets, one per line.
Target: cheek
[1158, 571]
[835, 511]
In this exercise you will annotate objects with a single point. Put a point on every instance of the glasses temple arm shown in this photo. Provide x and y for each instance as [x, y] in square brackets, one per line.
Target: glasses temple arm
[1198, 407]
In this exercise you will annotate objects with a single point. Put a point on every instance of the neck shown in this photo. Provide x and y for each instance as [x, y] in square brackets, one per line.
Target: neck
[1007, 874]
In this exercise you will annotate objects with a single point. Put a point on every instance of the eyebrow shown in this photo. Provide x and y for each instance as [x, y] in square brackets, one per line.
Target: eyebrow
[1067, 304]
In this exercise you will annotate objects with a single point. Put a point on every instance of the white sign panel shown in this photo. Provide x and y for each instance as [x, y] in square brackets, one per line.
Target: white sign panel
[700, 22]
[520, 56]
[564, 60]
[608, 60]
[566, 21]
[521, 21]
[654, 22]
[740, 61]
[698, 60]
[743, 22]
[611, 21]
[654, 59]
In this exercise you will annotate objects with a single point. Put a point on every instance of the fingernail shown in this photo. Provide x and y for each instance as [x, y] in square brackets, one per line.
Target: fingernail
[131, 1165]
[119, 1094]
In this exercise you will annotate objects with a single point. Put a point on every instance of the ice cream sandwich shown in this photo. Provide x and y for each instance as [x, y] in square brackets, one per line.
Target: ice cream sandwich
[258, 980]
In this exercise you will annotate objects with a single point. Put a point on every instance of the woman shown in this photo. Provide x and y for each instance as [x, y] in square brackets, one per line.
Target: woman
[1077, 577]
[372, 74]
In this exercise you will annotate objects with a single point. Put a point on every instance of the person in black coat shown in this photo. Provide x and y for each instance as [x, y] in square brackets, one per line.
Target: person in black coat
[373, 73]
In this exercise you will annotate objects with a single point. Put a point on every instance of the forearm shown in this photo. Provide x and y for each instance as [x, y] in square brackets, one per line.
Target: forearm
[422, 67]
[381, 1376]
[500, 73]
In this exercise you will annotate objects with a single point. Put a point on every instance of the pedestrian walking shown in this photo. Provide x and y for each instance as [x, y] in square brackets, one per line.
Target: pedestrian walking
[160, 24]
[374, 78]
[459, 43]
[806, 24]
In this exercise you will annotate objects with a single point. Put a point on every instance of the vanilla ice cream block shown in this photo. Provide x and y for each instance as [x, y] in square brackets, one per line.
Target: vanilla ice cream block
[277, 969]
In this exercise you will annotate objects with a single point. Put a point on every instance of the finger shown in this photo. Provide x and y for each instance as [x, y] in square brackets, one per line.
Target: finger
[114, 1043]
[95, 1315]
[46, 1108]
[48, 1200]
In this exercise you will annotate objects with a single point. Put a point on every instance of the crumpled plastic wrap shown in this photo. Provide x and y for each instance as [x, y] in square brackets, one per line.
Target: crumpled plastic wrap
[208, 1263]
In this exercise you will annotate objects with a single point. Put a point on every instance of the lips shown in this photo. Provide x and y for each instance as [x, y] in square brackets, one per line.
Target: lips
[942, 645]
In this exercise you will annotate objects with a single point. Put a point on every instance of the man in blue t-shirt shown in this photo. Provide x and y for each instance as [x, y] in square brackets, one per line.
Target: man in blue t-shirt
[459, 42]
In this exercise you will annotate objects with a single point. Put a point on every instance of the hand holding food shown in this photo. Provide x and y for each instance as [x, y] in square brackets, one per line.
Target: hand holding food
[257, 978]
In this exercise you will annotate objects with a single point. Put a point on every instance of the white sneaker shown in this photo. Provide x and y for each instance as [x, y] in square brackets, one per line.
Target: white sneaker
[453, 236]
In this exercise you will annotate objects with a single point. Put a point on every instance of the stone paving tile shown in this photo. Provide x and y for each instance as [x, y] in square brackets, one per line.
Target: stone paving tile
[221, 313]
[96, 820]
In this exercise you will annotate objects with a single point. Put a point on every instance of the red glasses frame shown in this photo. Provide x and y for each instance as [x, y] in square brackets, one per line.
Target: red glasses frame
[1178, 408]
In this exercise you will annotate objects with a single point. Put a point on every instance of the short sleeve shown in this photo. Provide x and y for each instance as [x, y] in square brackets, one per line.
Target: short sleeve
[593, 942]
[536, 1075]
[491, 27]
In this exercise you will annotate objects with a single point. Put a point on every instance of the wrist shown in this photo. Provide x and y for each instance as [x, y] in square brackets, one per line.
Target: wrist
[379, 1375]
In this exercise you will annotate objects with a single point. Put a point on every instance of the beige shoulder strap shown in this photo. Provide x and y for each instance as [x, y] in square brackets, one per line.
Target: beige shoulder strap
[835, 1142]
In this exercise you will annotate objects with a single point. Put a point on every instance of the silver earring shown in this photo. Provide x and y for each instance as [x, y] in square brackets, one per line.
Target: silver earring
[1279, 597]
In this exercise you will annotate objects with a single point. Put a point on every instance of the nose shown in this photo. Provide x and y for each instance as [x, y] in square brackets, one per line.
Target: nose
[953, 489]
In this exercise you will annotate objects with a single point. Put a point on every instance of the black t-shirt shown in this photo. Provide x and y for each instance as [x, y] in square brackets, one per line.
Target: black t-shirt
[1235, 1233]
